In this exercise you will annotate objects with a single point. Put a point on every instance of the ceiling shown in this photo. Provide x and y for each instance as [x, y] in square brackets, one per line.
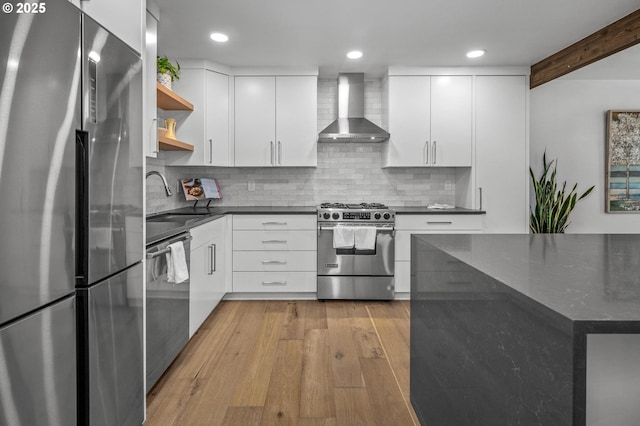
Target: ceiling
[304, 33]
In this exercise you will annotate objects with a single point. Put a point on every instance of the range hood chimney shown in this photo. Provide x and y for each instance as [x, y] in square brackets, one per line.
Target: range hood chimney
[351, 126]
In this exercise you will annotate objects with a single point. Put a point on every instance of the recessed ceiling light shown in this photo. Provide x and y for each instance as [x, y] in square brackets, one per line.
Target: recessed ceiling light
[219, 37]
[476, 53]
[354, 54]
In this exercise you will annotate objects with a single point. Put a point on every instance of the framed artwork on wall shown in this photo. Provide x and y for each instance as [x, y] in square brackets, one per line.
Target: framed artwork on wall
[622, 186]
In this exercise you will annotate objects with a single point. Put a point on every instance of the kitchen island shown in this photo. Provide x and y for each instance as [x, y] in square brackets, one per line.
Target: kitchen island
[525, 329]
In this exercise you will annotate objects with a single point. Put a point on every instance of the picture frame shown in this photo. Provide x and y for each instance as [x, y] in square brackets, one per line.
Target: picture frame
[622, 177]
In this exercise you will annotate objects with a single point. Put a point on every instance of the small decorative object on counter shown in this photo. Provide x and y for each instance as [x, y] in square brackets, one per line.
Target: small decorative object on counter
[167, 72]
[170, 124]
[200, 189]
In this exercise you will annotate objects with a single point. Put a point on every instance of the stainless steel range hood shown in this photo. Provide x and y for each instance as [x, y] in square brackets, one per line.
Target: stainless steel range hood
[351, 126]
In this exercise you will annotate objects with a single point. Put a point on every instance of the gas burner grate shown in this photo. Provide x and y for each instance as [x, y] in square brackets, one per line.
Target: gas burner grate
[353, 206]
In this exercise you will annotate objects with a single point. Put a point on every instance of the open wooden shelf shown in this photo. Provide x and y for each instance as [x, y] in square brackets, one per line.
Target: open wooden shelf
[168, 144]
[168, 100]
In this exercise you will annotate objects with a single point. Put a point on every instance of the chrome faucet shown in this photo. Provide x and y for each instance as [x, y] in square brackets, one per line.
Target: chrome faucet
[164, 181]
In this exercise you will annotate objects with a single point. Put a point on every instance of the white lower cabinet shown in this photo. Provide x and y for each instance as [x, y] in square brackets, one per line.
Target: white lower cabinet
[207, 271]
[274, 282]
[426, 224]
[274, 253]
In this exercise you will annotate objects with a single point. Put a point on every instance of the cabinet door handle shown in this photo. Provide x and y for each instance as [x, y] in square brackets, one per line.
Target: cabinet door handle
[212, 259]
[155, 135]
[434, 153]
[279, 153]
[274, 262]
[425, 154]
[210, 151]
[439, 223]
[271, 142]
[274, 223]
[480, 190]
[274, 283]
[274, 241]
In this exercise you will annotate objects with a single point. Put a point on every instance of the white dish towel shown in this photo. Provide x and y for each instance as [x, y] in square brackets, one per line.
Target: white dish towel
[343, 237]
[365, 237]
[177, 270]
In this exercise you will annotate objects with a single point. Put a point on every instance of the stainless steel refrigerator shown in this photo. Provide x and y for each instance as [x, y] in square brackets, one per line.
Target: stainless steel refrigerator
[71, 286]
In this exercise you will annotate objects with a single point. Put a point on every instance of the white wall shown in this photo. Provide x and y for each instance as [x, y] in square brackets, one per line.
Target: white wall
[568, 118]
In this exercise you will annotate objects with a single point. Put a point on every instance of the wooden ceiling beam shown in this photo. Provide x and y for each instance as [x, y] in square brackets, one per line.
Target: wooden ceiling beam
[611, 39]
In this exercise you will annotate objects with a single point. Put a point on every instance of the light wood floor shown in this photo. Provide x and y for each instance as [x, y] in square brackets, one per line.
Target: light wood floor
[291, 363]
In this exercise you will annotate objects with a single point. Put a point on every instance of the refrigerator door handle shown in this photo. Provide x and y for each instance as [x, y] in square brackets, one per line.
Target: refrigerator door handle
[82, 207]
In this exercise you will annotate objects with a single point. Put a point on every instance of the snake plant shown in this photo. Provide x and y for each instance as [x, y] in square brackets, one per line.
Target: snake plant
[553, 206]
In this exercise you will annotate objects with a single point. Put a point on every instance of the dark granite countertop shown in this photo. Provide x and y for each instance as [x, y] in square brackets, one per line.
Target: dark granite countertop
[425, 210]
[583, 277]
[158, 231]
[249, 210]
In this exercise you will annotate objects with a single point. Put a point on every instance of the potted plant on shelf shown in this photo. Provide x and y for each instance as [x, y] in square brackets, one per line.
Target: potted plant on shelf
[167, 72]
[553, 205]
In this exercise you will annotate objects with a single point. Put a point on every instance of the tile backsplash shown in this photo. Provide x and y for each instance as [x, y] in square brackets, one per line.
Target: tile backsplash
[346, 172]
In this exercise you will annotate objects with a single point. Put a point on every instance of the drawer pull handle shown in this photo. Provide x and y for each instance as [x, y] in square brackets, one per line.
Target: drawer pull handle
[274, 283]
[439, 223]
[275, 241]
[274, 262]
[274, 223]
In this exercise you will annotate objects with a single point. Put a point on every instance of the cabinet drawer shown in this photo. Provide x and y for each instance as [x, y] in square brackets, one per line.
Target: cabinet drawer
[204, 233]
[274, 222]
[403, 241]
[441, 223]
[275, 260]
[274, 240]
[273, 282]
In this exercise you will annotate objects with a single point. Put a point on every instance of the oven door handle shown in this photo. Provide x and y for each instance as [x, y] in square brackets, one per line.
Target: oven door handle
[166, 250]
[391, 229]
[380, 228]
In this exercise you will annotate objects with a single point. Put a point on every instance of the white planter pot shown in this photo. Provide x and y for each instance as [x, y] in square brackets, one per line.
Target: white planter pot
[165, 80]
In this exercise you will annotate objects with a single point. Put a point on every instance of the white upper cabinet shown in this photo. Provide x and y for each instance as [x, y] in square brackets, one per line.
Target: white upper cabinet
[409, 111]
[275, 121]
[217, 121]
[501, 172]
[124, 18]
[430, 121]
[451, 120]
[296, 120]
[207, 126]
[255, 120]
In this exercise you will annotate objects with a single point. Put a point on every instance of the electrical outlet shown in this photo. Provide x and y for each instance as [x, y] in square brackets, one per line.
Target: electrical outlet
[251, 185]
[447, 186]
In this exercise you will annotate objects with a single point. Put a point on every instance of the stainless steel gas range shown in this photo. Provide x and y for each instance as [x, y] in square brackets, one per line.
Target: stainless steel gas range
[356, 251]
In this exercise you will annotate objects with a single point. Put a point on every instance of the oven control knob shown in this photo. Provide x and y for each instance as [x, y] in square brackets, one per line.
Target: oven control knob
[387, 216]
[377, 215]
[326, 215]
[336, 216]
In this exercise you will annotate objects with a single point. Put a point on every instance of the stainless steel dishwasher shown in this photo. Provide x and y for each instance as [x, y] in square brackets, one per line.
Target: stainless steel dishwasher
[167, 309]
